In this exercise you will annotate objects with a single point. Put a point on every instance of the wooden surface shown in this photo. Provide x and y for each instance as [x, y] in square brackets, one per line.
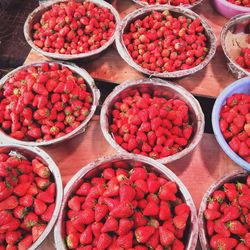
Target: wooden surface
[199, 169]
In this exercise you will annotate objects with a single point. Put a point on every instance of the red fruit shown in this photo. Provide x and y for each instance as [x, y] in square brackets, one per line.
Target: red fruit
[212, 214]
[182, 209]
[45, 197]
[210, 227]
[127, 193]
[165, 212]
[19, 212]
[236, 227]
[13, 225]
[25, 243]
[125, 225]
[83, 189]
[75, 203]
[96, 229]
[30, 220]
[244, 200]
[125, 241]
[180, 221]
[110, 225]
[112, 188]
[104, 241]
[165, 193]
[5, 217]
[144, 233]
[100, 211]
[72, 240]
[123, 210]
[139, 219]
[86, 237]
[230, 213]
[152, 209]
[46, 216]
[10, 203]
[37, 230]
[111, 203]
[178, 245]
[138, 173]
[13, 237]
[223, 243]
[241, 246]
[39, 207]
[166, 236]
[247, 239]
[84, 217]
[221, 228]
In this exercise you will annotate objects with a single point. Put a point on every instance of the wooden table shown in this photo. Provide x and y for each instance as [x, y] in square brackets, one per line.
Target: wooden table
[200, 168]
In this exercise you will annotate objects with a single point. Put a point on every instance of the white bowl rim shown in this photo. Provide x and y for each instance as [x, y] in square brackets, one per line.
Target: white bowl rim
[234, 6]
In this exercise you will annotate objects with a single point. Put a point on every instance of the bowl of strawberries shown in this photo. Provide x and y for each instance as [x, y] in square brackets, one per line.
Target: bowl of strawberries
[235, 42]
[45, 103]
[70, 30]
[231, 121]
[224, 219]
[165, 41]
[154, 118]
[124, 202]
[30, 196]
[181, 3]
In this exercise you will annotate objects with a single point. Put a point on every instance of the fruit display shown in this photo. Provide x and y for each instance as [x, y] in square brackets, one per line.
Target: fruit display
[71, 27]
[163, 41]
[43, 102]
[125, 204]
[244, 3]
[244, 59]
[235, 124]
[226, 213]
[171, 2]
[28, 198]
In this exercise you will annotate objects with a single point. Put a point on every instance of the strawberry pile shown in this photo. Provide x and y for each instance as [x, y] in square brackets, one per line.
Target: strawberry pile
[72, 27]
[244, 58]
[235, 124]
[148, 124]
[227, 216]
[172, 2]
[40, 103]
[122, 209]
[245, 3]
[27, 200]
[162, 42]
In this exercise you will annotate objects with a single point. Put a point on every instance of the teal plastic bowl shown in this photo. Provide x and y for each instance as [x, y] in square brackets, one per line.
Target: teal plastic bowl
[239, 86]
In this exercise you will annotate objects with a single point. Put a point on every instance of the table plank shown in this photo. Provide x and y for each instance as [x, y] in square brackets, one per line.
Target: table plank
[198, 170]
[111, 68]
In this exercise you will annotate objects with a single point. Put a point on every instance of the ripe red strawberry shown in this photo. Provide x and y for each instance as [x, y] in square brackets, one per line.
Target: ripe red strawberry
[100, 211]
[75, 203]
[247, 239]
[182, 209]
[212, 214]
[72, 240]
[164, 212]
[45, 197]
[104, 241]
[13, 237]
[223, 243]
[20, 212]
[125, 241]
[244, 200]
[10, 203]
[96, 229]
[110, 225]
[13, 225]
[25, 243]
[127, 193]
[165, 193]
[39, 207]
[153, 185]
[230, 213]
[139, 219]
[219, 195]
[83, 189]
[210, 227]
[46, 216]
[178, 245]
[241, 246]
[42, 183]
[166, 237]
[86, 237]
[154, 240]
[144, 233]
[37, 230]
[180, 221]
[137, 174]
[30, 220]
[236, 227]
[112, 188]
[221, 228]
[230, 191]
[123, 210]
[111, 203]
[152, 209]
[125, 225]
[5, 217]
[84, 217]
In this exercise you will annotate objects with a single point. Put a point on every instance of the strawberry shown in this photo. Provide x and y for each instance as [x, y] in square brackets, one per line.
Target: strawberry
[230, 213]
[72, 240]
[127, 193]
[42, 183]
[154, 240]
[153, 185]
[25, 243]
[100, 211]
[143, 234]
[221, 228]
[247, 239]
[241, 246]
[75, 203]
[10, 203]
[108, 173]
[5, 217]
[230, 191]
[223, 243]
[84, 217]
[86, 237]
[45, 197]
[46, 216]
[26, 200]
[30, 220]
[13, 237]
[152, 209]
[236, 227]
[137, 174]
[212, 214]
[125, 225]
[244, 200]
[37, 230]
[111, 224]
[39, 207]
[13, 225]
[210, 227]
[125, 241]
[219, 195]
[111, 203]
[51, 190]
[180, 221]
[96, 229]
[83, 189]
[20, 212]
[166, 237]
[104, 241]
[112, 188]
[123, 210]
[139, 219]
[165, 193]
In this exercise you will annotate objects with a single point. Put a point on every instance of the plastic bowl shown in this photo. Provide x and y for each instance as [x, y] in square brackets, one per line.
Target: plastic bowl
[172, 91]
[140, 13]
[32, 152]
[239, 86]
[92, 88]
[189, 6]
[231, 177]
[94, 168]
[233, 38]
[228, 9]
[36, 15]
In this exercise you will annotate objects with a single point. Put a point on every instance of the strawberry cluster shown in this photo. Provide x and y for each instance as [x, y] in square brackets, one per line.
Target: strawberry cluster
[227, 216]
[122, 209]
[162, 42]
[245, 3]
[235, 124]
[148, 124]
[43, 102]
[172, 2]
[244, 58]
[73, 27]
[27, 200]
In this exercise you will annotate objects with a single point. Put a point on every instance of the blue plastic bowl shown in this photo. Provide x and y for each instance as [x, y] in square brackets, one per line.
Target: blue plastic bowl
[240, 86]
